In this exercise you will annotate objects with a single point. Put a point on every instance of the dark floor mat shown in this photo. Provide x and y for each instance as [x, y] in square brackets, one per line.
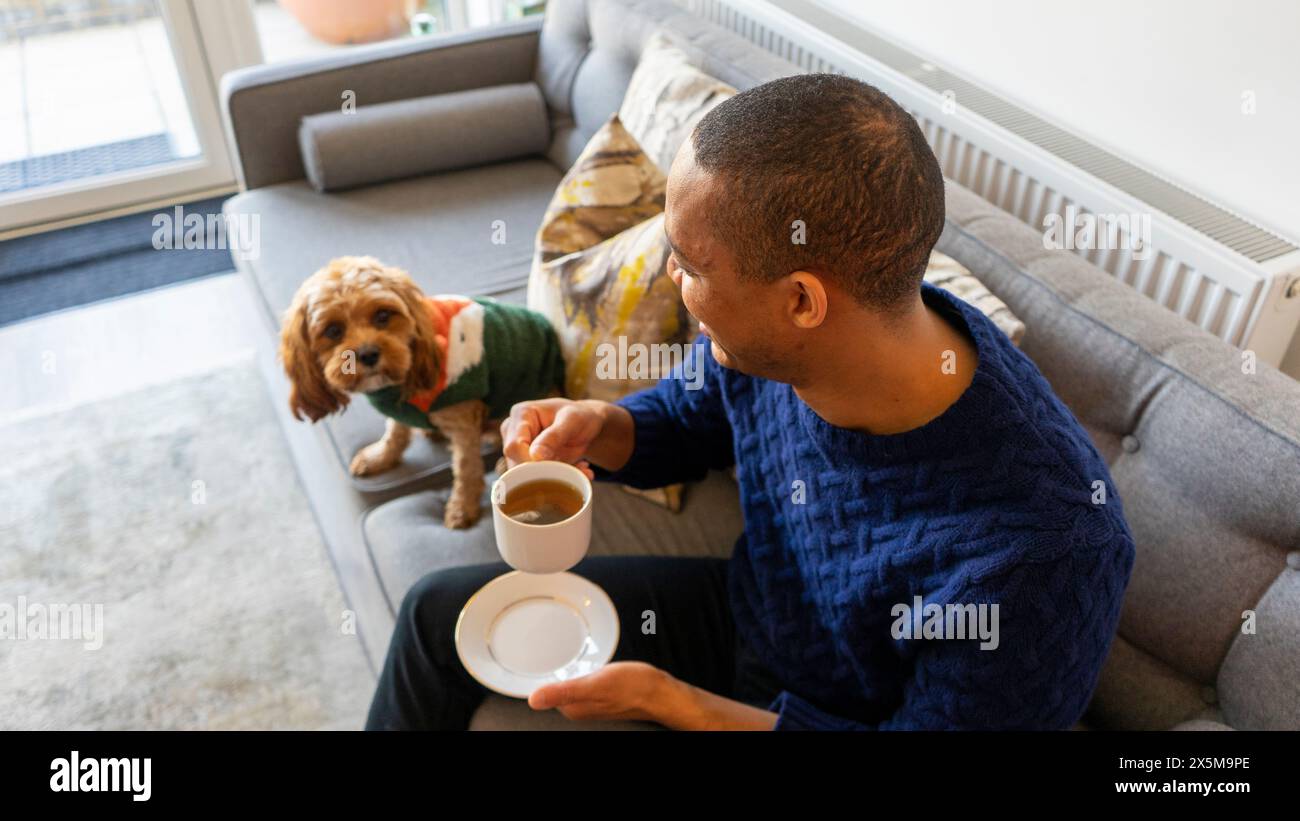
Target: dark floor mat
[75, 266]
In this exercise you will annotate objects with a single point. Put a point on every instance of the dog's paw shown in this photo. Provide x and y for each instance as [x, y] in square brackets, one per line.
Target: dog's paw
[370, 460]
[459, 517]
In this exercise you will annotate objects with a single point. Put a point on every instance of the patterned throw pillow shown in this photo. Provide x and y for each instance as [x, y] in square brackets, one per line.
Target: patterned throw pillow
[950, 275]
[600, 275]
[612, 185]
[611, 304]
[666, 98]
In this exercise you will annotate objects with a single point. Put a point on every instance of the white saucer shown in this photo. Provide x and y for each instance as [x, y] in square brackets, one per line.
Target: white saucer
[523, 630]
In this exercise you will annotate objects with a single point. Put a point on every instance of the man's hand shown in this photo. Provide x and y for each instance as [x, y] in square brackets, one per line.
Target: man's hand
[636, 691]
[568, 430]
[624, 690]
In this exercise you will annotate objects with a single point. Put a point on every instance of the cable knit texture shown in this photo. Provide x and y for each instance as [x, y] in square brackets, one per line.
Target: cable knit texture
[998, 501]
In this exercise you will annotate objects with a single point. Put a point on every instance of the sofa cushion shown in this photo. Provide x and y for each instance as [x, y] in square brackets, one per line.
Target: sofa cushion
[468, 232]
[406, 138]
[1258, 683]
[406, 538]
[1138, 691]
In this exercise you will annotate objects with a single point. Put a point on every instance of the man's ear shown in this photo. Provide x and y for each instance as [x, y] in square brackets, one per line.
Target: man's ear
[808, 302]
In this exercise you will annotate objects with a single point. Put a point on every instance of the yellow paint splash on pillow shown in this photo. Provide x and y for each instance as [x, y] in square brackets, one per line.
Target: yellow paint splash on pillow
[633, 289]
[576, 387]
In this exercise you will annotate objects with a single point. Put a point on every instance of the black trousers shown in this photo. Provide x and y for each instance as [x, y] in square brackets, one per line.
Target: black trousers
[423, 685]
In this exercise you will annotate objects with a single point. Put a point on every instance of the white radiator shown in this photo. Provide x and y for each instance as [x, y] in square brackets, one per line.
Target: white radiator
[1216, 269]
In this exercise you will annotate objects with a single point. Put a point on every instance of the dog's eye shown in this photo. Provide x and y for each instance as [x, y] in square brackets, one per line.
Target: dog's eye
[334, 330]
[381, 317]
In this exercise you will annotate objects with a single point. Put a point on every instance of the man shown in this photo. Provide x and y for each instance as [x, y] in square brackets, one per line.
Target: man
[895, 454]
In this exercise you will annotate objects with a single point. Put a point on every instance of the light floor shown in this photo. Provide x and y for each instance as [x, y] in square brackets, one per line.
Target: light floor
[94, 352]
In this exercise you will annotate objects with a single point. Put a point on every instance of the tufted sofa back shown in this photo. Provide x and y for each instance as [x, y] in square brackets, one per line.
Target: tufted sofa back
[589, 49]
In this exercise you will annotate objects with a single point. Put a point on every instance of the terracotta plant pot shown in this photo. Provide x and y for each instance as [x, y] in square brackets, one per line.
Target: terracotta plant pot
[352, 21]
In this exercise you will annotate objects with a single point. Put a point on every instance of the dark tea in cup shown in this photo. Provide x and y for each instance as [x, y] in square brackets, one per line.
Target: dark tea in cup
[542, 502]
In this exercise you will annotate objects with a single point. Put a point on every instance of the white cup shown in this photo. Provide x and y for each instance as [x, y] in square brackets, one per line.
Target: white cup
[550, 548]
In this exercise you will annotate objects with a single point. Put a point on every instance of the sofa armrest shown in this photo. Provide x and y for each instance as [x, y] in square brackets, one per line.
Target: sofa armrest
[263, 105]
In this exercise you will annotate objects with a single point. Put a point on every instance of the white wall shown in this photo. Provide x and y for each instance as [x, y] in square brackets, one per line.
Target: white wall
[1159, 82]
[1156, 81]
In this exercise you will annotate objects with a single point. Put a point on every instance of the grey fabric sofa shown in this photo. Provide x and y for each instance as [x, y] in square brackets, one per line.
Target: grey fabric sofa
[1207, 458]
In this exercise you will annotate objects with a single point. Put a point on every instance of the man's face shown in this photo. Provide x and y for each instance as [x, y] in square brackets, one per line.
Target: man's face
[742, 319]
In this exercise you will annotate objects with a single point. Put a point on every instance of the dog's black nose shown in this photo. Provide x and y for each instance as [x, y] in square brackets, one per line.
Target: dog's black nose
[368, 355]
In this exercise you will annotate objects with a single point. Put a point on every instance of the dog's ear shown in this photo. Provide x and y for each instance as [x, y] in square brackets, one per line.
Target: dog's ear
[310, 395]
[426, 355]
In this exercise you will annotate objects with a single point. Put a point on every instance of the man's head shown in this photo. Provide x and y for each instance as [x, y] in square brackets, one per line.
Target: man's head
[806, 196]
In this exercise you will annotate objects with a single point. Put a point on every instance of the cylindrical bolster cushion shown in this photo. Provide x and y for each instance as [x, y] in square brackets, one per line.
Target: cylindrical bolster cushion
[389, 141]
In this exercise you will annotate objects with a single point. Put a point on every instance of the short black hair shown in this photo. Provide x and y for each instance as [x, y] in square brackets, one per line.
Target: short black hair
[844, 158]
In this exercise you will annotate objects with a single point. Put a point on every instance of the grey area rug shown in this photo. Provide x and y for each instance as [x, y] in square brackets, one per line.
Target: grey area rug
[177, 509]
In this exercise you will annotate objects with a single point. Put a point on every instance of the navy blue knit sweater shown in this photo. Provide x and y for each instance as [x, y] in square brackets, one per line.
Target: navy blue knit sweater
[1001, 500]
